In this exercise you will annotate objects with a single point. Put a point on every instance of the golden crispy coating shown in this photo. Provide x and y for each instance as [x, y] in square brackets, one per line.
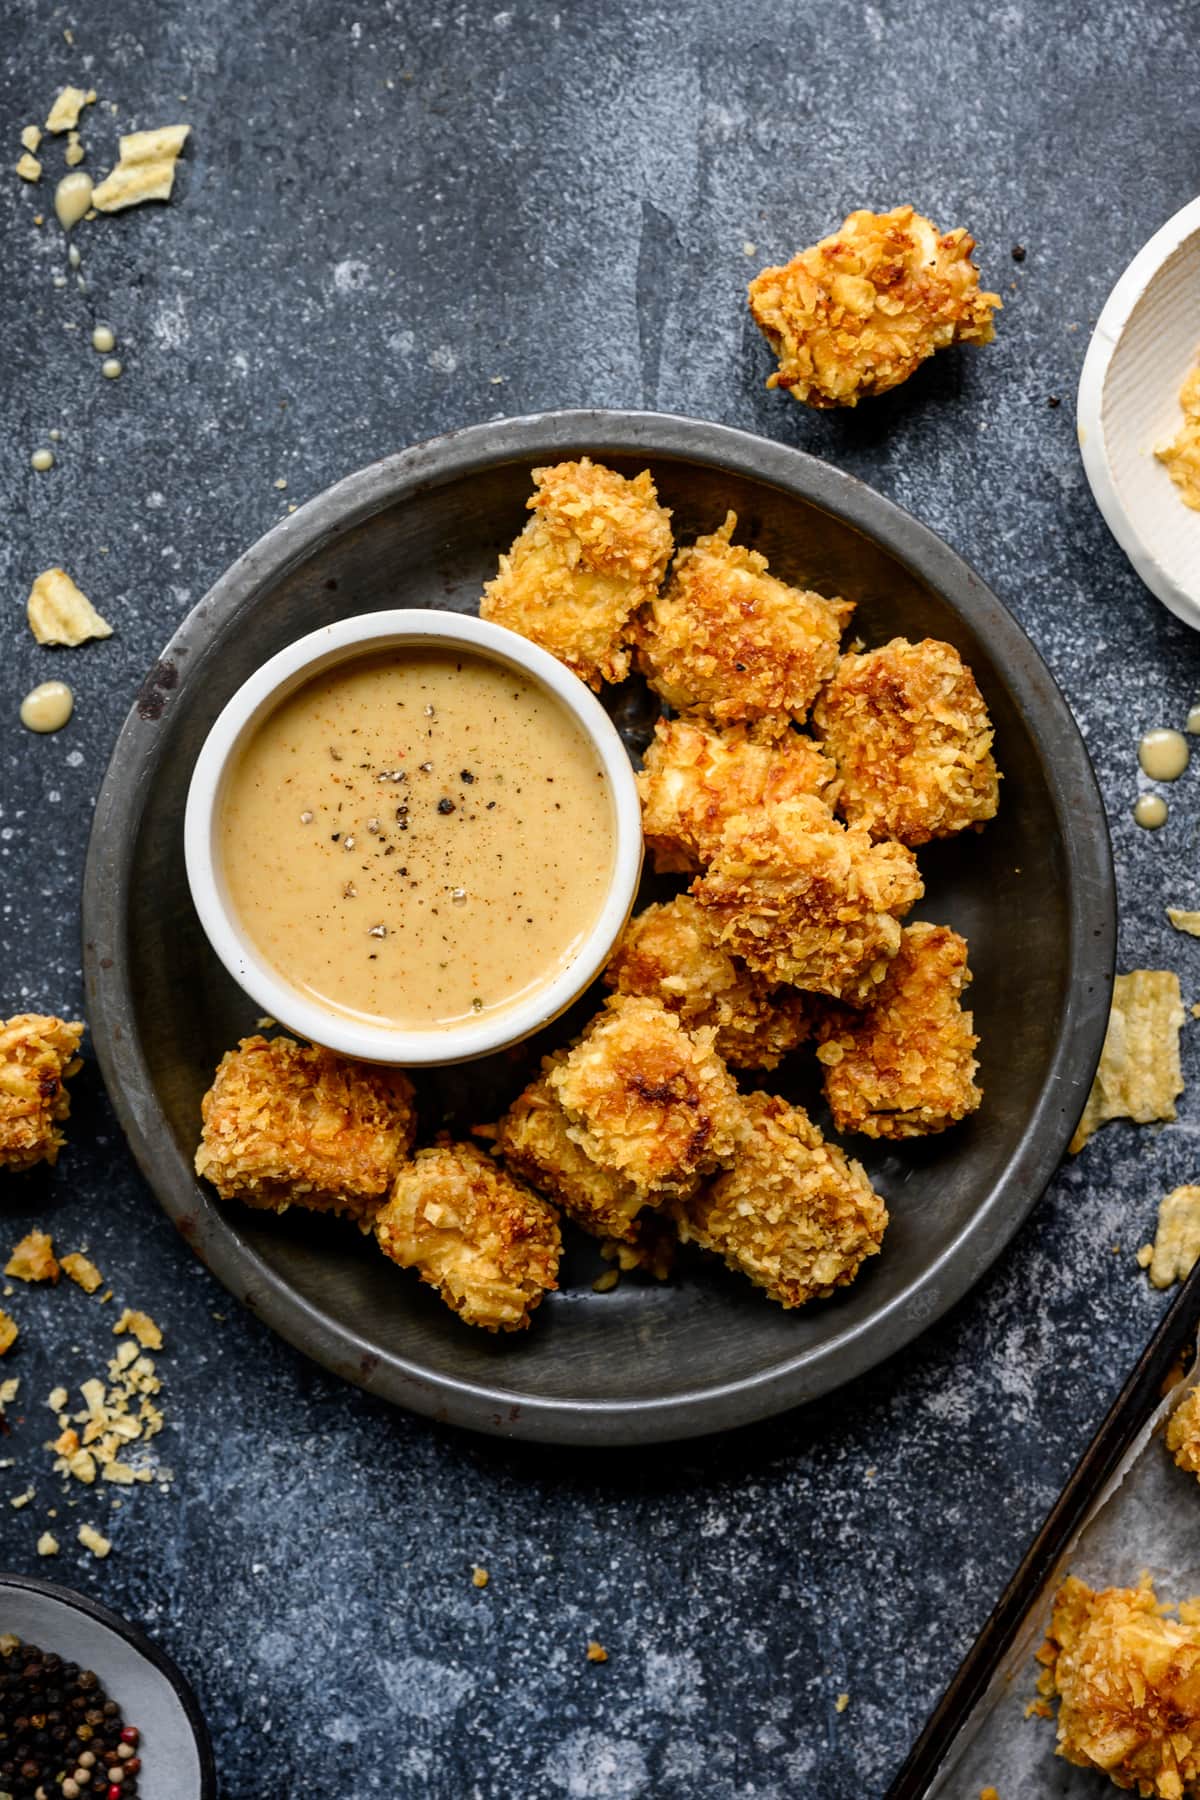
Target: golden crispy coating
[648, 1100]
[488, 1245]
[534, 1139]
[857, 313]
[288, 1124]
[1183, 1432]
[1128, 1682]
[670, 953]
[728, 639]
[696, 776]
[794, 1213]
[805, 900]
[912, 740]
[905, 1066]
[37, 1058]
[595, 550]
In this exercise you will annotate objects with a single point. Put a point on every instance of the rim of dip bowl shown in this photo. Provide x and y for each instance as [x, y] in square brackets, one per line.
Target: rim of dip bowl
[258, 697]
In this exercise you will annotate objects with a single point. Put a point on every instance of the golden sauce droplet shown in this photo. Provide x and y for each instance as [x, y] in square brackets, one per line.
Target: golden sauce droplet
[48, 707]
[103, 339]
[41, 460]
[72, 197]
[1193, 720]
[1164, 755]
[54, 435]
[1150, 811]
[111, 367]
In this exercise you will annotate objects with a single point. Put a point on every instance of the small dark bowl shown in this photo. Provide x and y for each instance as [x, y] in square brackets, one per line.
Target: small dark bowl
[177, 1758]
[1033, 894]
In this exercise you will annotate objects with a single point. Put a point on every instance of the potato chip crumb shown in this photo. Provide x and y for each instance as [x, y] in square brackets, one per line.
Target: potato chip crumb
[92, 1540]
[74, 152]
[145, 170]
[33, 1259]
[47, 1544]
[28, 167]
[1139, 1075]
[8, 1392]
[988, 1793]
[1145, 1256]
[841, 1703]
[1177, 1240]
[479, 1576]
[31, 137]
[143, 1328]
[1184, 921]
[604, 1284]
[60, 613]
[19, 1500]
[57, 1399]
[82, 1271]
[9, 1332]
[64, 114]
[596, 1652]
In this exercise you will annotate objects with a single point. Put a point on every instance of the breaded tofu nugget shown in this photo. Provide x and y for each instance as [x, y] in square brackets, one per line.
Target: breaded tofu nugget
[912, 740]
[696, 776]
[728, 639]
[794, 1213]
[648, 1100]
[805, 900]
[535, 1141]
[288, 1124]
[1128, 1685]
[906, 1066]
[595, 550]
[670, 953]
[857, 313]
[486, 1243]
[37, 1059]
[1183, 1433]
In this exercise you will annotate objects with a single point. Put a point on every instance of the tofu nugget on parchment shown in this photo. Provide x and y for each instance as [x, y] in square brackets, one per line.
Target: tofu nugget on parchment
[534, 1138]
[670, 953]
[805, 900]
[912, 740]
[648, 1100]
[37, 1058]
[730, 640]
[794, 1213]
[486, 1243]
[1128, 1685]
[906, 1065]
[696, 776]
[858, 312]
[1139, 1075]
[1183, 1433]
[288, 1124]
[595, 550]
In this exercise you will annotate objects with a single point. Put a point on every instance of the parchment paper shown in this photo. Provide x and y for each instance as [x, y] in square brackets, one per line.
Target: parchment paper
[1147, 1518]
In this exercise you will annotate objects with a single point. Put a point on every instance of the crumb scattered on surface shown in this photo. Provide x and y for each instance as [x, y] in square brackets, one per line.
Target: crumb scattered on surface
[28, 167]
[596, 1652]
[33, 1258]
[9, 1332]
[92, 1540]
[81, 1270]
[1184, 921]
[60, 613]
[147, 1333]
[145, 170]
[47, 1544]
[64, 114]
[841, 1703]
[31, 137]
[1177, 1239]
[1140, 1075]
[479, 1576]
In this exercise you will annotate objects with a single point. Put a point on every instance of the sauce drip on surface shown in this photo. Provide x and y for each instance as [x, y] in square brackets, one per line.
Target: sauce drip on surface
[1163, 754]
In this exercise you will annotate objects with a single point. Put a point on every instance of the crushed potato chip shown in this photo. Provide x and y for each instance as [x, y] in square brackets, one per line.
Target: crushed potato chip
[31, 137]
[47, 1544]
[144, 1330]
[64, 114]
[1177, 1240]
[57, 1399]
[81, 1270]
[1139, 1074]
[33, 1259]
[59, 613]
[8, 1332]
[28, 167]
[1184, 921]
[91, 1540]
[74, 152]
[144, 171]
[8, 1392]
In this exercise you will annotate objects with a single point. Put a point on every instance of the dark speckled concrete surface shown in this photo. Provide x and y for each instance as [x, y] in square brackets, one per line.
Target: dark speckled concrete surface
[392, 220]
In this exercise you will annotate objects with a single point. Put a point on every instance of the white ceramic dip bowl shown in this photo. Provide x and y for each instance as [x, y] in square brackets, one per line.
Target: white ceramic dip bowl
[266, 689]
[1146, 340]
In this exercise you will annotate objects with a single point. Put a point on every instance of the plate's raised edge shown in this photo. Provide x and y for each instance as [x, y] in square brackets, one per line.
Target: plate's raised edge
[1089, 409]
[146, 1648]
[1077, 802]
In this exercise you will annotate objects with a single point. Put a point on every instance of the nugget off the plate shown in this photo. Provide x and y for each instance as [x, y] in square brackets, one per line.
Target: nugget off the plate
[1183, 1433]
[805, 900]
[1128, 1683]
[647, 1100]
[595, 550]
[794, 1213]
[288, 1124]
[670, 953]
[535, 1141]
[696, 776]
[37, 1058]
[912, 740]
[858, 312]
[486, 1243]
[728, 639]
[906, 1066]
